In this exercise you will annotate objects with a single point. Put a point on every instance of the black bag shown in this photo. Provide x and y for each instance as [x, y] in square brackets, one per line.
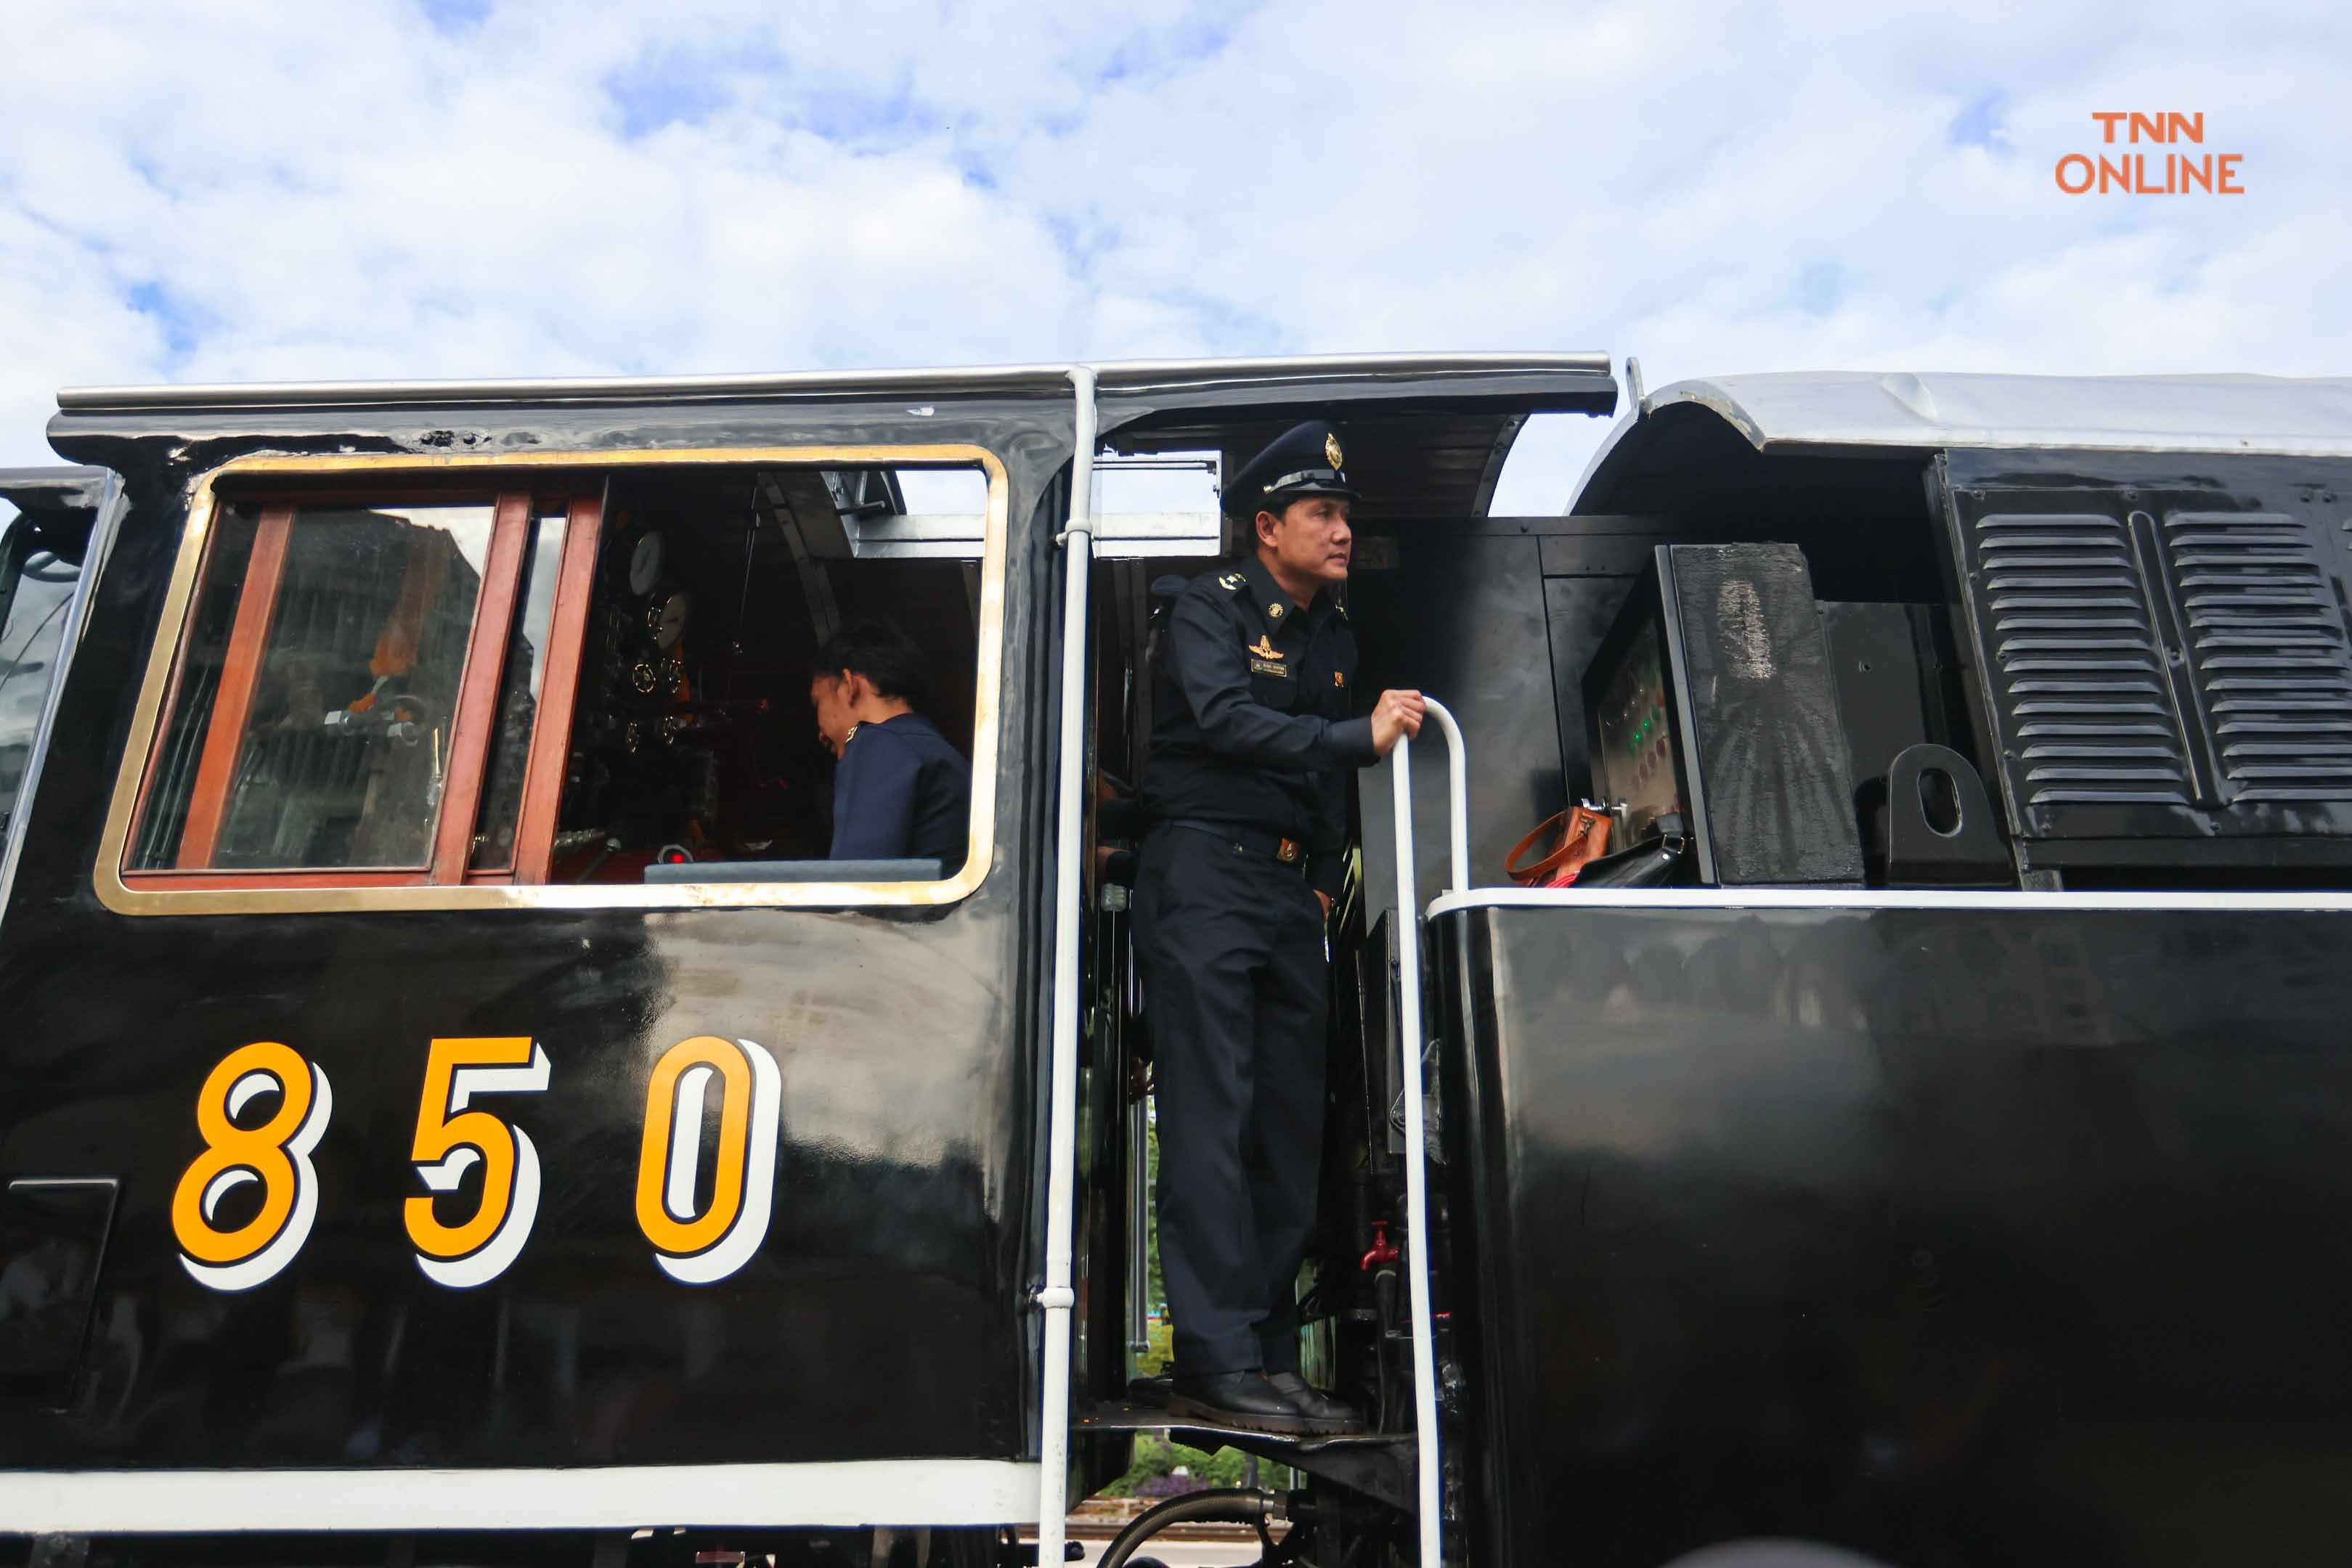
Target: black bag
[1662, 862]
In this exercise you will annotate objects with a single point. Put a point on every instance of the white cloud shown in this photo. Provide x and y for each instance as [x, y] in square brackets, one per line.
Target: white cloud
[254, 190]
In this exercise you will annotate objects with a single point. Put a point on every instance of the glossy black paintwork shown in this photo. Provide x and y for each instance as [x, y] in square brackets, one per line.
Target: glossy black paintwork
[60, 504]
[1959, 1238]
[887, 1314]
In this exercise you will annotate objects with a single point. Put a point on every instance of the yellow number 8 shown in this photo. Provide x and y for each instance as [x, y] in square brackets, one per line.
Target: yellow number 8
[277, 1154]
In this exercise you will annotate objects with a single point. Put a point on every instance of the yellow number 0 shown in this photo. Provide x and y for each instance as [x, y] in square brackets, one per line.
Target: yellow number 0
[277, 1154]
[451, 1140]
[696, 1248]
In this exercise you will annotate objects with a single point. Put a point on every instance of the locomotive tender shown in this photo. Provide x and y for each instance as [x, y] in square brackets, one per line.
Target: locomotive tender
[458, 1114]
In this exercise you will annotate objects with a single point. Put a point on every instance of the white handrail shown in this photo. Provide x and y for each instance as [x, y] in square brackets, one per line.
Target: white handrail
[1057, 1298]
[1410, 1041]
[1457, 793]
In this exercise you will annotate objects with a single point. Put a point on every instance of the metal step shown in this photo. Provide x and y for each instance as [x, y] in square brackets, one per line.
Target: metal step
[1377, 1464]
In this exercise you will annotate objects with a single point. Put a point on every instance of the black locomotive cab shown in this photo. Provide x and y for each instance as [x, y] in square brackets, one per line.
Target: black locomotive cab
[1865, 1150]
[463, 1112]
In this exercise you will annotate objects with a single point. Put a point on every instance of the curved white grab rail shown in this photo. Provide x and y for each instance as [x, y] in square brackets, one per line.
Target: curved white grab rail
[1411, 1043]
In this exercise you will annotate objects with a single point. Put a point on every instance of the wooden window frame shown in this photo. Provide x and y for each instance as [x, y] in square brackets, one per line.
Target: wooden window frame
[514, 511]
[342, 478]
[248, 638]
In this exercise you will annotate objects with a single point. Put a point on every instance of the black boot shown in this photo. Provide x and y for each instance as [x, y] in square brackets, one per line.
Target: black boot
[1323, 1413]
[1242, 1399]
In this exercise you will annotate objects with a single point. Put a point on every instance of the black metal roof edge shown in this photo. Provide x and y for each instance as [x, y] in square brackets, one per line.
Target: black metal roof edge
[54, 489]
[1113, 376]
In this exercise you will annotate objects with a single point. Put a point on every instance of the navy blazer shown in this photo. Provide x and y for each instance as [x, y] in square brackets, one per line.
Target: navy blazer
[903, 792]
[1254, 722]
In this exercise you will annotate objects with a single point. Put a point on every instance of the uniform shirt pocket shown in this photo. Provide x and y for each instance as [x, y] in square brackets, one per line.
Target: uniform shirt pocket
[1277, 690]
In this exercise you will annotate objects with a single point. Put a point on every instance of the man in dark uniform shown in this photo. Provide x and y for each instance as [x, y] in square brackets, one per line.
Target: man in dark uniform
[903, 792]
[1246, 789]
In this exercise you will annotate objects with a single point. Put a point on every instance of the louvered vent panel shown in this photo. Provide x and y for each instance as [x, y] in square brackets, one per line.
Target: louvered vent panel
[2267, 648]
[2084, 695]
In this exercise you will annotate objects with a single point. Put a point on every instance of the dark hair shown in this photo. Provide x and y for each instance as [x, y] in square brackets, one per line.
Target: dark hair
[883, 655]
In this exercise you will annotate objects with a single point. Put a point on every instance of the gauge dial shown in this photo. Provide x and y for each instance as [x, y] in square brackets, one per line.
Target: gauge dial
[668, 620]
[645, 562]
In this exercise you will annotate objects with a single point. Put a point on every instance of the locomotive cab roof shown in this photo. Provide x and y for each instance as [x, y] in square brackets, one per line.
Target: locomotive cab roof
[1679, 434]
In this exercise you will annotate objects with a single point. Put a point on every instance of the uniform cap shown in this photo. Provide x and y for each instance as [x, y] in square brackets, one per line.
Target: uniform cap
[1305, 460]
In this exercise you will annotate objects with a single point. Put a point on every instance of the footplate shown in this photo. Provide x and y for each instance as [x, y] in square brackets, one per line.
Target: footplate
[1377, 1464]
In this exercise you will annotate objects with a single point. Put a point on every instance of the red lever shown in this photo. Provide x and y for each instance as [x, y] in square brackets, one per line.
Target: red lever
[1382, 1252]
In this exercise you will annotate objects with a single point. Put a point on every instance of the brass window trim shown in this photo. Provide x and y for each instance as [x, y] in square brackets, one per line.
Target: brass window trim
[107, 877]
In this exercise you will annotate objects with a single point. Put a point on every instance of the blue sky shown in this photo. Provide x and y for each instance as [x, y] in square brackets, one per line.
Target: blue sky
[248, 191]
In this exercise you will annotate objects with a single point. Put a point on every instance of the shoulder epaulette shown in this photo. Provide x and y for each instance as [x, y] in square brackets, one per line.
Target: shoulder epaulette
[1232, 581]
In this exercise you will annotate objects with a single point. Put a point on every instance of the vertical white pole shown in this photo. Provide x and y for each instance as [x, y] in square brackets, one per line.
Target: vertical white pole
[1416, 1176]
[1057, 1298]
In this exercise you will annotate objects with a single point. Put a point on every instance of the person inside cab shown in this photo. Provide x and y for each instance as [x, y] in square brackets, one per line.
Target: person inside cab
[1253, 734]
[902, 791]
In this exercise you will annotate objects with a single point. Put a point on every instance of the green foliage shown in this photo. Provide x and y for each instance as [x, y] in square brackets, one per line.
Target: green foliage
[1155, 1458]
[1154, 1362]
[1158, 1287]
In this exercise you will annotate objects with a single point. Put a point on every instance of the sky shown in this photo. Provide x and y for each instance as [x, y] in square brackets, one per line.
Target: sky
[246, 189]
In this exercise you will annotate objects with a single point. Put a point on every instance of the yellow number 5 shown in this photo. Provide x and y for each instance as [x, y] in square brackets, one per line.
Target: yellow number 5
[277, 1154]
[451, 1140]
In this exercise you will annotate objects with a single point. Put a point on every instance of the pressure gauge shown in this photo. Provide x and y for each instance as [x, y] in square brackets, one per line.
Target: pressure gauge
[645, 677]
[645, 562]
[668, 621]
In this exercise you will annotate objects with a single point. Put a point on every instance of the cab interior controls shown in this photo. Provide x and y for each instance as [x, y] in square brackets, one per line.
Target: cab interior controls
[1905, 1134]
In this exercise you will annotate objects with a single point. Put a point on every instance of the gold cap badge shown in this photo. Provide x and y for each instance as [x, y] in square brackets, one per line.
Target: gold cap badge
[1331, 449]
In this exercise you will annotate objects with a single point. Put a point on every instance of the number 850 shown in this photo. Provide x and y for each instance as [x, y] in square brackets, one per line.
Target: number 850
[695, 1243]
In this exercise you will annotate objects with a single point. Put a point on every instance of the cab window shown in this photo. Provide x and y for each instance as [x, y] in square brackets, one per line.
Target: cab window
[37, 587]
[600, 679]
[319, 697]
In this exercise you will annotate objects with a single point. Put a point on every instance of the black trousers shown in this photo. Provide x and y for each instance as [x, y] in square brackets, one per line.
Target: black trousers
[1230, 948]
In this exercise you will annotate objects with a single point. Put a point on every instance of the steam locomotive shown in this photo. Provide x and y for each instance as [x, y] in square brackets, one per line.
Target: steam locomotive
[456, 1115]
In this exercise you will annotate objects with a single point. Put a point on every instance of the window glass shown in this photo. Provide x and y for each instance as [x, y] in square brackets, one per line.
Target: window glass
[659, 695]
[698, 748]
[172, 776]
[519, 689]
[330, 694]
[36, 588]
[950, 492]
[1156, 482]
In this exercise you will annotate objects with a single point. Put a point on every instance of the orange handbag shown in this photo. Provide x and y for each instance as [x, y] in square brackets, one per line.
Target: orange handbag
[1583, 836]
